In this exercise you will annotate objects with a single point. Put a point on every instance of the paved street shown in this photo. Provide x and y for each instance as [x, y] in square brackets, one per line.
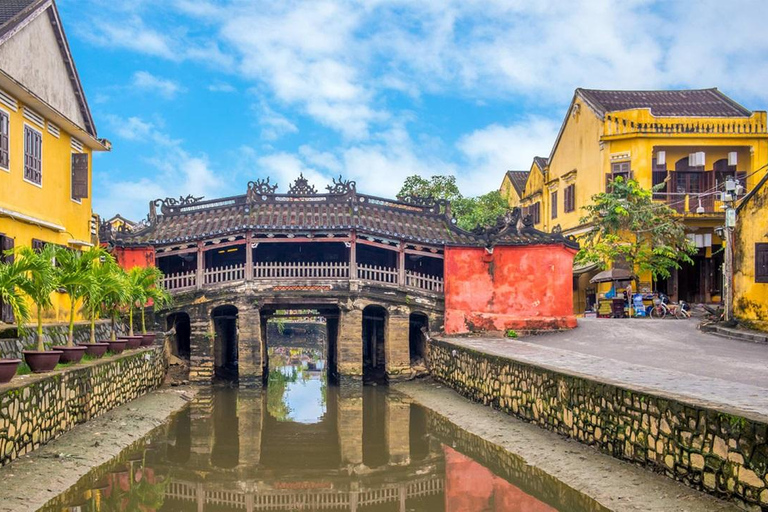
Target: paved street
[664, 356]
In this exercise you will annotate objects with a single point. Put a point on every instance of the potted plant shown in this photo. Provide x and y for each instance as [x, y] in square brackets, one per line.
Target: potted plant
[73, 269]
[112, 295]
[40, 283]
[148, 287]
[12, 276]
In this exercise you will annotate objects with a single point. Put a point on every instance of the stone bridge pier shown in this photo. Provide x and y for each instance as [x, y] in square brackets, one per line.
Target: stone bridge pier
[366, 336]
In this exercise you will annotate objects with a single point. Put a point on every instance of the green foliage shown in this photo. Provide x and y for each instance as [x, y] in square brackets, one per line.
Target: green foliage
[74, 274]
[627, 224]
[145, 284]
[511, 333]
[41, 281]
[469, 212]
[13, 277]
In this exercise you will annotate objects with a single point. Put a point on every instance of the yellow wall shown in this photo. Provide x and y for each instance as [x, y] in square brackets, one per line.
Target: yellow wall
[751, 298]
[534, 191]
[50, 202]
[508, 192]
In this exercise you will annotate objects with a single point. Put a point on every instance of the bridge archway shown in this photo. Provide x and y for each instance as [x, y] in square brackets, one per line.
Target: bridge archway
[180, 342]
[374, 336]
[225, 353]
[417, 343]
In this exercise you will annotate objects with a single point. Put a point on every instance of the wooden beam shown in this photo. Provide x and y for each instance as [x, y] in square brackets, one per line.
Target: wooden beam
[177, 252]
[248, 257]
[301, 239]
[424, 253]
[221, 245]
[401, 265]
[353, 256]
[200, 265]
[378, 244]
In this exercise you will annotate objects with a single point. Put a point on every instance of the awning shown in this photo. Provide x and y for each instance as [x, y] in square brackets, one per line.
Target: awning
[614, 274]
[584, 268]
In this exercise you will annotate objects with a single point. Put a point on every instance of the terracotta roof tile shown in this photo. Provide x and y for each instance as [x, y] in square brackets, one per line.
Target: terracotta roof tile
[675, 103]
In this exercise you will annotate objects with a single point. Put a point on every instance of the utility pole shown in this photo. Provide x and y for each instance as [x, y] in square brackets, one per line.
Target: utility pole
[728, 197]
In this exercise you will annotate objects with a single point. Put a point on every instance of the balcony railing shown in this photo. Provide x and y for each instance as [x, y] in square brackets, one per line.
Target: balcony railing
[265, 271]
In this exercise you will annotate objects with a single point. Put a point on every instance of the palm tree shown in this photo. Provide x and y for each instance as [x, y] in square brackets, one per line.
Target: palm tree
[107, 293]
[13, 276]
[148, 282]
[74, 270]
[41, 281]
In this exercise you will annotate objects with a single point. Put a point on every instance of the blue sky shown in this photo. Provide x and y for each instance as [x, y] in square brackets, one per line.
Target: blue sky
[201, 97]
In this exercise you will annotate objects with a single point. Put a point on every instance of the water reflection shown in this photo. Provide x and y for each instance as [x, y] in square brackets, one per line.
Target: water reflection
[296, 389]
[368, 450]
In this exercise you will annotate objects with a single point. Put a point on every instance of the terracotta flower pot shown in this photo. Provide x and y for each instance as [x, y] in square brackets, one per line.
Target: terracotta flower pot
[95, 349]
[8, 369]
[117, 346]
[44, 361]
[147, 339]
[133, 341]
[70, 354]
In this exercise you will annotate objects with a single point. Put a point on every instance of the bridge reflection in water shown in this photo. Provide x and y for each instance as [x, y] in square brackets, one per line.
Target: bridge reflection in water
[301, 444]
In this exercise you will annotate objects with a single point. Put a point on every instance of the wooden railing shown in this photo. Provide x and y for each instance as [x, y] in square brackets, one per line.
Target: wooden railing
[224, 274]
[180, 280]
[423, 281]
[377, 274]
[264, 271]
[331, 270]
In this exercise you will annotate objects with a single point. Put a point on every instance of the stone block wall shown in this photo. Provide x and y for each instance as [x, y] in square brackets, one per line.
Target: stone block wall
[39, 408]
[717, 452]
[53, 335]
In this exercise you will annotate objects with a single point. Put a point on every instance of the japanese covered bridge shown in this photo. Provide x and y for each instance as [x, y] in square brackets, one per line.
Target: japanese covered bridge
[379, 271]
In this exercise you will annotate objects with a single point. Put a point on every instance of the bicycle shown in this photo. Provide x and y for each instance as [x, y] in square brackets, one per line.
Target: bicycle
[659, 309]
[680, 311]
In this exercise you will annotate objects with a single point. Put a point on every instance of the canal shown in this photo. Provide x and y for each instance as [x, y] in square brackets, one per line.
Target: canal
[302, 443]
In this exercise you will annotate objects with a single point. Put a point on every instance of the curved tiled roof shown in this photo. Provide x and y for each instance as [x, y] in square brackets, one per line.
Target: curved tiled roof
[518, 180]
[412, 220]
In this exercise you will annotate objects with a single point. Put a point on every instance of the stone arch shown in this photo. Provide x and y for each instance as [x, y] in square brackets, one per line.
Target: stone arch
[225, 341]
[417, 341]
[181, 340]
[374, 327]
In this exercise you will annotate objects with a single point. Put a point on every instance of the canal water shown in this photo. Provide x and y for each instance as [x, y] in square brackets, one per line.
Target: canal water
[303, 444]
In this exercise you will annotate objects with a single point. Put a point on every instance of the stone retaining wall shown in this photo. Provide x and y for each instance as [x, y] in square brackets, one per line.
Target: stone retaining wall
[38, 408]
[719, 453]
[53, 335]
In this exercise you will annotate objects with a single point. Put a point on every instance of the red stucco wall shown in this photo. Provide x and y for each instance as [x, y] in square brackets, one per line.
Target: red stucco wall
[518, 287]
[129, 257]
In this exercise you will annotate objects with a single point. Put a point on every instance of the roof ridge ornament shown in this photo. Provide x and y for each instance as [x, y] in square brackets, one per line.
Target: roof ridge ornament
[510, 223]
[342, 187]
[301, 187]
[260, 189]
[171, 204]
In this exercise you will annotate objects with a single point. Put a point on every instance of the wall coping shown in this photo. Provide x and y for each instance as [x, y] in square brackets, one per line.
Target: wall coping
[22, 381]
[719, 407]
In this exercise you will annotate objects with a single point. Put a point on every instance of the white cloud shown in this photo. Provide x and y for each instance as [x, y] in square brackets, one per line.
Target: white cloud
[274, 125]
[161, 86]
[221, 87]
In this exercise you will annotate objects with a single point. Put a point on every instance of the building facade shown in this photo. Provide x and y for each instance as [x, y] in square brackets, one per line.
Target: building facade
[687, 142]
[750, 280]
[47, 138]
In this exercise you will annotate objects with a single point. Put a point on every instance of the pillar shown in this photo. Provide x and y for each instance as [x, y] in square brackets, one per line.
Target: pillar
[200, 346]
[201, 432]
[248, 256]
[249, 417]
[398, 425]
[350, 424]
[249, 348]
[349, 345]
[200, 265]
[396, 343]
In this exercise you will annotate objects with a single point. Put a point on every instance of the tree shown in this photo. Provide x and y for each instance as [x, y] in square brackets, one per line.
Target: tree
[145, 284]
[469, 212]
[627, 224]
[13, 276]
[41, 281]
[75, 276]
[109, 293]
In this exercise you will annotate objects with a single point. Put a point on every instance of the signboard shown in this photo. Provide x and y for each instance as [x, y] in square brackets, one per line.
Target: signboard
[79, 175]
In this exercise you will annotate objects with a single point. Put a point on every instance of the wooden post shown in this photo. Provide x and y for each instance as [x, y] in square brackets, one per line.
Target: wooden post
[353, 256]
[200, 265]
[401, 265]
[248, 257]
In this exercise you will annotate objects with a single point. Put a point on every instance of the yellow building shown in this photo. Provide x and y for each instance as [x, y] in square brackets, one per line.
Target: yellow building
[47, 137]
[750, 279]
[513, 187]
[689, 139]
[118, 223]
[532, 199]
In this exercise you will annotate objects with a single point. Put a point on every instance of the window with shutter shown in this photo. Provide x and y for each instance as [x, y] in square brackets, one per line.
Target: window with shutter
[761, 263]
[37, 245]
[33, 155]
[79, 176]
[569, 204]
[537, 213]
[5, 130]
[553, 201]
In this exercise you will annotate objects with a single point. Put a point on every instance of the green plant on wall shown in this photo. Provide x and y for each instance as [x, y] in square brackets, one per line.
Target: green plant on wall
[511, 333]
[41, 282]
[13, 276]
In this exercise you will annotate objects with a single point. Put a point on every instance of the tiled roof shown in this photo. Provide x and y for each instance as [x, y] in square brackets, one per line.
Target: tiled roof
[14, 11]
[692, 102]
[518, 180]
[314, 214]
[541, 162]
